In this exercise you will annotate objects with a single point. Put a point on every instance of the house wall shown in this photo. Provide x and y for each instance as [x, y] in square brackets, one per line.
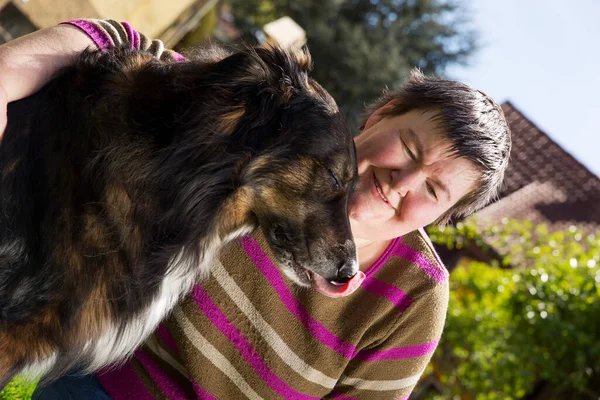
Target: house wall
[151, 17]
[44, 13]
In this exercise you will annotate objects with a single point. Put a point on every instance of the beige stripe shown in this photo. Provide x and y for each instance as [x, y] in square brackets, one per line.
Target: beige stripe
[168, 55]
[120, 30]
[212, 354]
[288, 356]
[156, 48]
[155, 347]
[364, 384]
[144, 42]
[110, 30]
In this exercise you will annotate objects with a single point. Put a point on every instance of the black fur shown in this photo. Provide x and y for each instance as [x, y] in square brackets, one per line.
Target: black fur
[123, 162]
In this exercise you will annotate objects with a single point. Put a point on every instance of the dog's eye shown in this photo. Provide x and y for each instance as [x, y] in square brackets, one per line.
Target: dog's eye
[335, 180]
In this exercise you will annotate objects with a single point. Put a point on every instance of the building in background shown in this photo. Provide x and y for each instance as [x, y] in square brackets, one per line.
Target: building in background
[543, 184]
[285, 32]
[178, 23]
[168, 20]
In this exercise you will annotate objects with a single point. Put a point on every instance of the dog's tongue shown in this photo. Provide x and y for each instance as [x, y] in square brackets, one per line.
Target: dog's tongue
[331, 290]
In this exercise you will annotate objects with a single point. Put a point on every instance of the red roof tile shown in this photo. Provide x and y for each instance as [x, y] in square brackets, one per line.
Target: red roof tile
[543, 182]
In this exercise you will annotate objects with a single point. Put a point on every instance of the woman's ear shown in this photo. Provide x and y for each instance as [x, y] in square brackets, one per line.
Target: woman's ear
[378, 115]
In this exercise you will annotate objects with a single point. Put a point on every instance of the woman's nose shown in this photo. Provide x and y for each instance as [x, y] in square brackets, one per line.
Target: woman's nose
[406, 180]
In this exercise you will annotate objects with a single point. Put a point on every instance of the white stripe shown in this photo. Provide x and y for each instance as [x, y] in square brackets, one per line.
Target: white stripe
[164, 355]
[213, 355]
[112, 32]
[280, 348]
[364, 384]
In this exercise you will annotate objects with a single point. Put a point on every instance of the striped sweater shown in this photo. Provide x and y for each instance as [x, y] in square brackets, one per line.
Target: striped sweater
[247, 331]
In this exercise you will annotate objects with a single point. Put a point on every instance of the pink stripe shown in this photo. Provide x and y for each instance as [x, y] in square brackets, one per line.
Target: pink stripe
[122, 383]
[398, 353]
[383, 258]
[202, 394]
[100, 38]
[245, 348]
[395, 295]
[136, 40]
[335, 395]
[131, 35]
[178, 57]
[428, 240]
[165, 383]
[164, 335]
[440, 275]
[317, 330]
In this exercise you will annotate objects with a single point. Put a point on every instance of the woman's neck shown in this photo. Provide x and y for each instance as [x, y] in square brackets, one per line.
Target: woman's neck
[369, 251]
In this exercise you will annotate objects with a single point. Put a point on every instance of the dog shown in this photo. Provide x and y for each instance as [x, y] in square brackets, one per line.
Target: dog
[124, 176]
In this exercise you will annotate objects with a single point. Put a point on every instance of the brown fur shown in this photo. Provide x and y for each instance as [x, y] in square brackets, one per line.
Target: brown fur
[132, 174]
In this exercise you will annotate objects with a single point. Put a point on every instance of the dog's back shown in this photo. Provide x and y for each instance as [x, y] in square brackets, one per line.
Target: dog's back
[41, 161]
[70, 235]
[29, 197]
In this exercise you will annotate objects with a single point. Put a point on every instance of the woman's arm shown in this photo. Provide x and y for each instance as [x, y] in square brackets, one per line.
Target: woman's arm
[27, 63]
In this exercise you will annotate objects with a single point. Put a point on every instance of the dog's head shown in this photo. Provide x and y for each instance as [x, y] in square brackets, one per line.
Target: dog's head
[300, 179]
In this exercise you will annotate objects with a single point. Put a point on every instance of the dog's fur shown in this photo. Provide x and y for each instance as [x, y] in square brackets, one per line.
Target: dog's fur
[122, 178]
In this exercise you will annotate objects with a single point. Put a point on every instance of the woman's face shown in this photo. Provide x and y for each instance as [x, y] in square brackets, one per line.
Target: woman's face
[406, 177]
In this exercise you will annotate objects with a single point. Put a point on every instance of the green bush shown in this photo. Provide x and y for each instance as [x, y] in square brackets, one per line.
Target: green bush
[18, 389]
[537, 321]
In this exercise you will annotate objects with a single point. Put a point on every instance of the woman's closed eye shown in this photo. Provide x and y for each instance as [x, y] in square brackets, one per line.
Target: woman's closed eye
[409, 152]
[431, 190]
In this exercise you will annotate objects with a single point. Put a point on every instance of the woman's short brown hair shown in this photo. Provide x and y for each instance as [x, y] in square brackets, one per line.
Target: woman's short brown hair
[473, 124]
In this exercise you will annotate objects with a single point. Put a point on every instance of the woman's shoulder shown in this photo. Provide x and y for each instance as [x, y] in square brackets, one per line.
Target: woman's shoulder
[413, 260]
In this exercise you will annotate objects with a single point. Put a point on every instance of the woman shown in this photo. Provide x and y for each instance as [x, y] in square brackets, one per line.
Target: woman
[428, 151]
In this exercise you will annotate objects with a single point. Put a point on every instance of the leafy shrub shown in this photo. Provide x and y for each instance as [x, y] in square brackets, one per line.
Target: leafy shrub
[538, 321]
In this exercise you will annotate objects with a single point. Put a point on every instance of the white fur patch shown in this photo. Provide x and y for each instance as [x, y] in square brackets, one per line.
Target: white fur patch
[182, 275]
[35, 370]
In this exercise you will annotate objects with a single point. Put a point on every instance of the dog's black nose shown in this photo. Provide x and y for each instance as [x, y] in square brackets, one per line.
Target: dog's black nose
[345, 273]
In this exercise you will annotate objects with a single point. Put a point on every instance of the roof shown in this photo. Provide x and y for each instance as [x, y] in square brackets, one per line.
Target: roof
[543, 182]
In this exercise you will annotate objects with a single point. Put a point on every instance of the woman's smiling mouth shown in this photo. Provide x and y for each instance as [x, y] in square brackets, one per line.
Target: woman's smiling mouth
[379, 191]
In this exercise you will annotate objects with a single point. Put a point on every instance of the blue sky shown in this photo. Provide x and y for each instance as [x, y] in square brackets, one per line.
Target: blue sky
[543, 56]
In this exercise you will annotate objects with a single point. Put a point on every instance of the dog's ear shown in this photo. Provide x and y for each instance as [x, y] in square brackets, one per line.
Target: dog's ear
[283, 69]
[266, 79]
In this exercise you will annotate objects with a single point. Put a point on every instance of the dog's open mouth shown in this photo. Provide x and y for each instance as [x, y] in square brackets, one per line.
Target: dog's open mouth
[328, 288]
[336, 289]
